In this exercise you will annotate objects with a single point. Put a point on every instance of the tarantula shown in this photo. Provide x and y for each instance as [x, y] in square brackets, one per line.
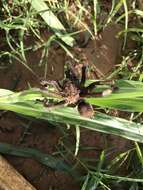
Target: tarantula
[74, 92]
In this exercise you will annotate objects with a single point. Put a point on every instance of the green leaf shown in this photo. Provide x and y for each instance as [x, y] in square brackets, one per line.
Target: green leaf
[5, 92]
[45, 159]
[128, 97]
[85, 184]
[53, 22]
[100, 122]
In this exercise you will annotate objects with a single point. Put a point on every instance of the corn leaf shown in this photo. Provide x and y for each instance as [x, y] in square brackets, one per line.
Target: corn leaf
[128, 97]
[25, 103]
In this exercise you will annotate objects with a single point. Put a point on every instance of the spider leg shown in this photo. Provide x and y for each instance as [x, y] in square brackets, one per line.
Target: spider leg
[72, 76]
[95, 94]
[104, 93]
[54, 105]
[83, 76]
[59, 86]
[93, 85]
[55, 84]
[87, 90]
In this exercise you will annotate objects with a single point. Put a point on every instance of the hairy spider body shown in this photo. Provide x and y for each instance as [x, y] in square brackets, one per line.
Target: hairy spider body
[85, 109]
[70, 92]
[73, 92]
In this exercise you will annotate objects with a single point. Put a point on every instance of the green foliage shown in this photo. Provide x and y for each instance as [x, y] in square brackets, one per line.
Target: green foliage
[45, 159]
[21, 19]
[128, 97]
[42, 8]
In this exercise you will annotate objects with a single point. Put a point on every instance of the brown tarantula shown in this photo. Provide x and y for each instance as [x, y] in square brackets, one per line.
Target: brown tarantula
[74, 92]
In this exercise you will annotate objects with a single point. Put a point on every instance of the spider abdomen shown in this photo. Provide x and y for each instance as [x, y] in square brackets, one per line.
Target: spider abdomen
[85, 109]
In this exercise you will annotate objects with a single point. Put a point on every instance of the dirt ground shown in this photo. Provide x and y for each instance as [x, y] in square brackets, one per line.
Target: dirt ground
[41, 135]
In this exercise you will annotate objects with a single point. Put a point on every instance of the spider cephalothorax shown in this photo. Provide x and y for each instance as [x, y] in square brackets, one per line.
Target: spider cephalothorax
[73, 92]
[70, 92]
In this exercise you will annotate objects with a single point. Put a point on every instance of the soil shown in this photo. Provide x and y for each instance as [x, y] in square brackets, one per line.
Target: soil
[102, 55]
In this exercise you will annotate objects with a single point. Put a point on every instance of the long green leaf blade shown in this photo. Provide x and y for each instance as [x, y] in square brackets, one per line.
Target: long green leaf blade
[101, 122]
[43, 158]
[129, 97]
[53, 22]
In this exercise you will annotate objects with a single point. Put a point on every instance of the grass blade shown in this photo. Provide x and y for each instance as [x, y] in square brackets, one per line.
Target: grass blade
[114, 12]
[42, 8]
[77, 139]
[139, 153]
[45, 159]
[126, 22]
